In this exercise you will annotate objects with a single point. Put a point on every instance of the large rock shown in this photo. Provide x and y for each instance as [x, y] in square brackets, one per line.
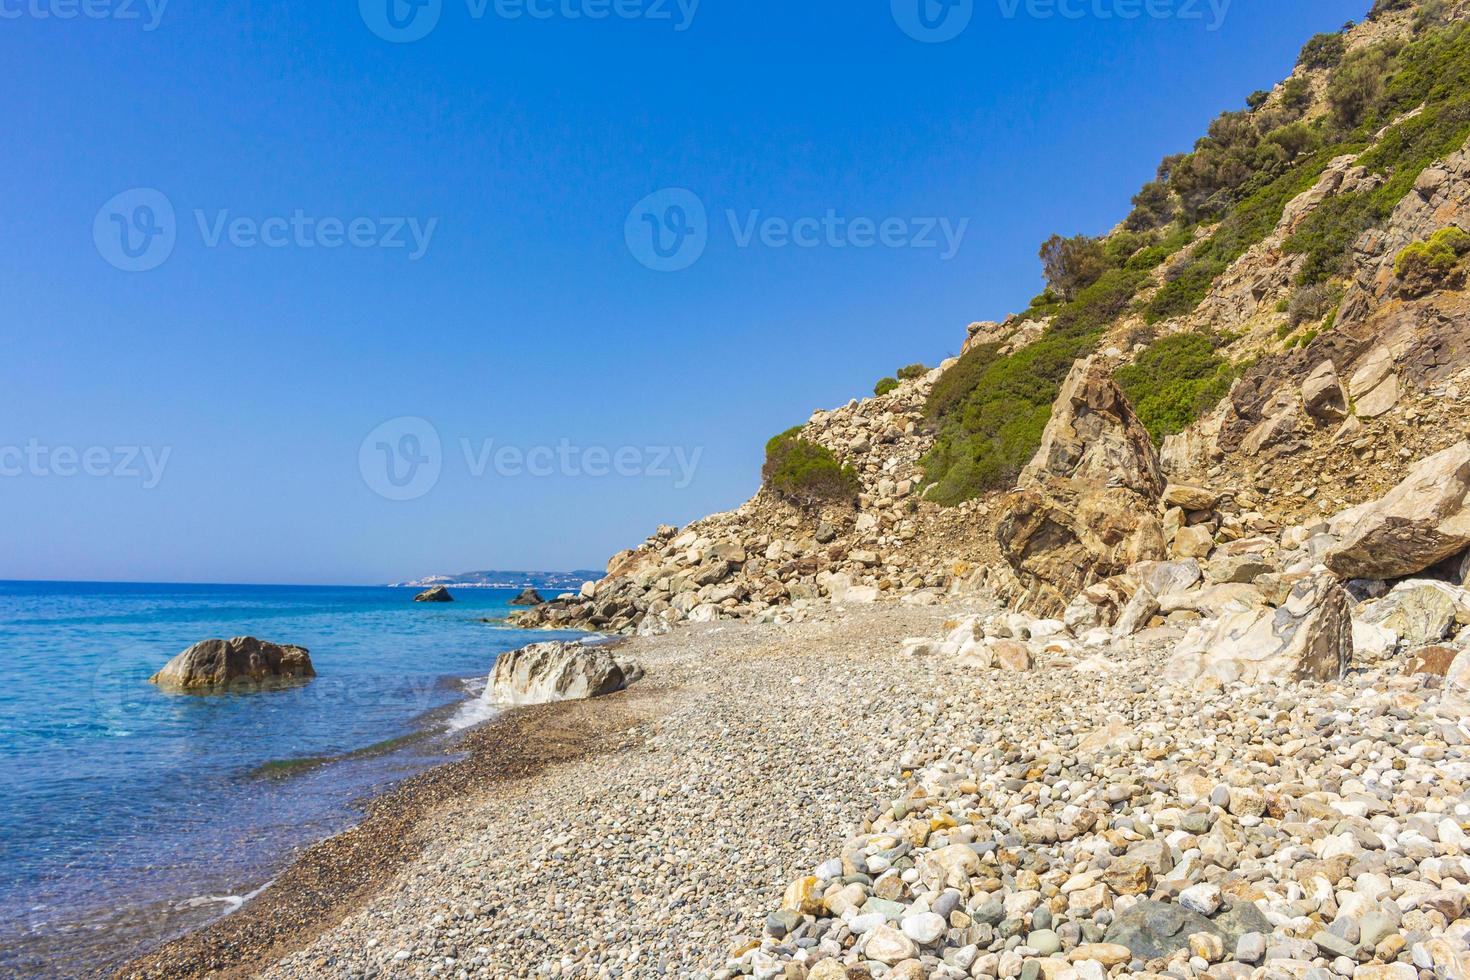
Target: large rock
[1421, 522]
[528, 597]
[1308, 638]
[437, 594]
[1322, 395]
[1095, 436]
[1156, 930]
[1086, 505]
[241, 664]
[546, 672]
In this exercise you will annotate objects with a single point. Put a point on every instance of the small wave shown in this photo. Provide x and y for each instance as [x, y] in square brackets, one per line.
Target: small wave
[473, 712]
[232, 903]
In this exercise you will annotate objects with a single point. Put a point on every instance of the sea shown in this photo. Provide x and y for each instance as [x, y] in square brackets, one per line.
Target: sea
[129, 815]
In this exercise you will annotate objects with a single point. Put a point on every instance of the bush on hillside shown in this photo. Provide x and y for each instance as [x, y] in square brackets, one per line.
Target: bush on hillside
[1176, 381]
[1357, 89]
[805, 473]
[1311, 303]
[884, 386]
[911, 372]
[1323, 51]
[1070, 265]
[1424, 265]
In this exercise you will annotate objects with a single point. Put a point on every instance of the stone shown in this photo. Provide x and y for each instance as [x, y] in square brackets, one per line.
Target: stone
[1309, 638]
[437, 594]
[1203, 898]
[1432, 661]
[1419, 523]
[1189, 498]
[238, 665]
[1085, 507]
[1419, 611]
[528, 597]
[925, 928]
[1142, 608]
[547, 672]
[1012, 656]
[1323, 397]
[1238, 569]
[1155, 930]
[888, 946]
[1251, 948]
[1193, 542]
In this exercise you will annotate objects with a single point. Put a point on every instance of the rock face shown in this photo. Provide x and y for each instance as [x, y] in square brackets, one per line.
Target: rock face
[1086, 505]
[437, 594]
[241, 664]
[1421, 522]
[1310, 637]
[546, 672]
[530, 597]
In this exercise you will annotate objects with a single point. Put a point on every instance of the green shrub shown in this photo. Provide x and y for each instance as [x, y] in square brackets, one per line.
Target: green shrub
[884, 386]
[1424, 263]
[912, 371]
[1357, 90]
[1296, 95]
[1175, 381]
[806, 473]
[1323, 51]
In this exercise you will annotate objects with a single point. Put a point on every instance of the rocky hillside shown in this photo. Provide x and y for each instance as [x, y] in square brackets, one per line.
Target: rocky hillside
[1284, 312]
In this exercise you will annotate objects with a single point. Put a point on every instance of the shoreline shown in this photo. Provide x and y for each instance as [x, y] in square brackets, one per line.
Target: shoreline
[320, 883]
[520, 767]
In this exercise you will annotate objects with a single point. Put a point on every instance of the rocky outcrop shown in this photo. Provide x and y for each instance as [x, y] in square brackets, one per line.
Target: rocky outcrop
[1086, 505]
[547, 672]
[1421, 522]
[528, 597]
[437, 594]
[1310, 637]
[1322, 395]
[239, 665]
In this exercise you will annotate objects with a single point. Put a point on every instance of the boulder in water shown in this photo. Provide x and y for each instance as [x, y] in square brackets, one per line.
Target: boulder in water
[437, 594]
[241, 664]
[529, 597]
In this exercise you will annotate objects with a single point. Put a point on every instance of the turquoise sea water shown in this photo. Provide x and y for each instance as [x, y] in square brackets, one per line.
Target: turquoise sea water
[128, 814]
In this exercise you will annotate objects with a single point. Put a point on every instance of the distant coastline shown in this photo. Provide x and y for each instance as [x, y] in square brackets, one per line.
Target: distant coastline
[549, 581]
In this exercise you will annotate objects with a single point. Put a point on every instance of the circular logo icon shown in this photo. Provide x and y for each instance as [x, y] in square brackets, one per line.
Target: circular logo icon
[933, 21]
[120, 690]
[401, 459]
[401, 21]
[136, 231]
[668, 230]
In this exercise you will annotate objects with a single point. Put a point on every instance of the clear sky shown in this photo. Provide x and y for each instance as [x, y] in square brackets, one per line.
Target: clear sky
[340, 232]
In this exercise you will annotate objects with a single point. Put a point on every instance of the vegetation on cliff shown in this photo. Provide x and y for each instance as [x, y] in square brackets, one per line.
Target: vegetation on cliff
[1397, 105]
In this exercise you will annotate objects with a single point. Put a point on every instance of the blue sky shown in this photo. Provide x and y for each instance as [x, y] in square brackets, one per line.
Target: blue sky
[221, 416]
